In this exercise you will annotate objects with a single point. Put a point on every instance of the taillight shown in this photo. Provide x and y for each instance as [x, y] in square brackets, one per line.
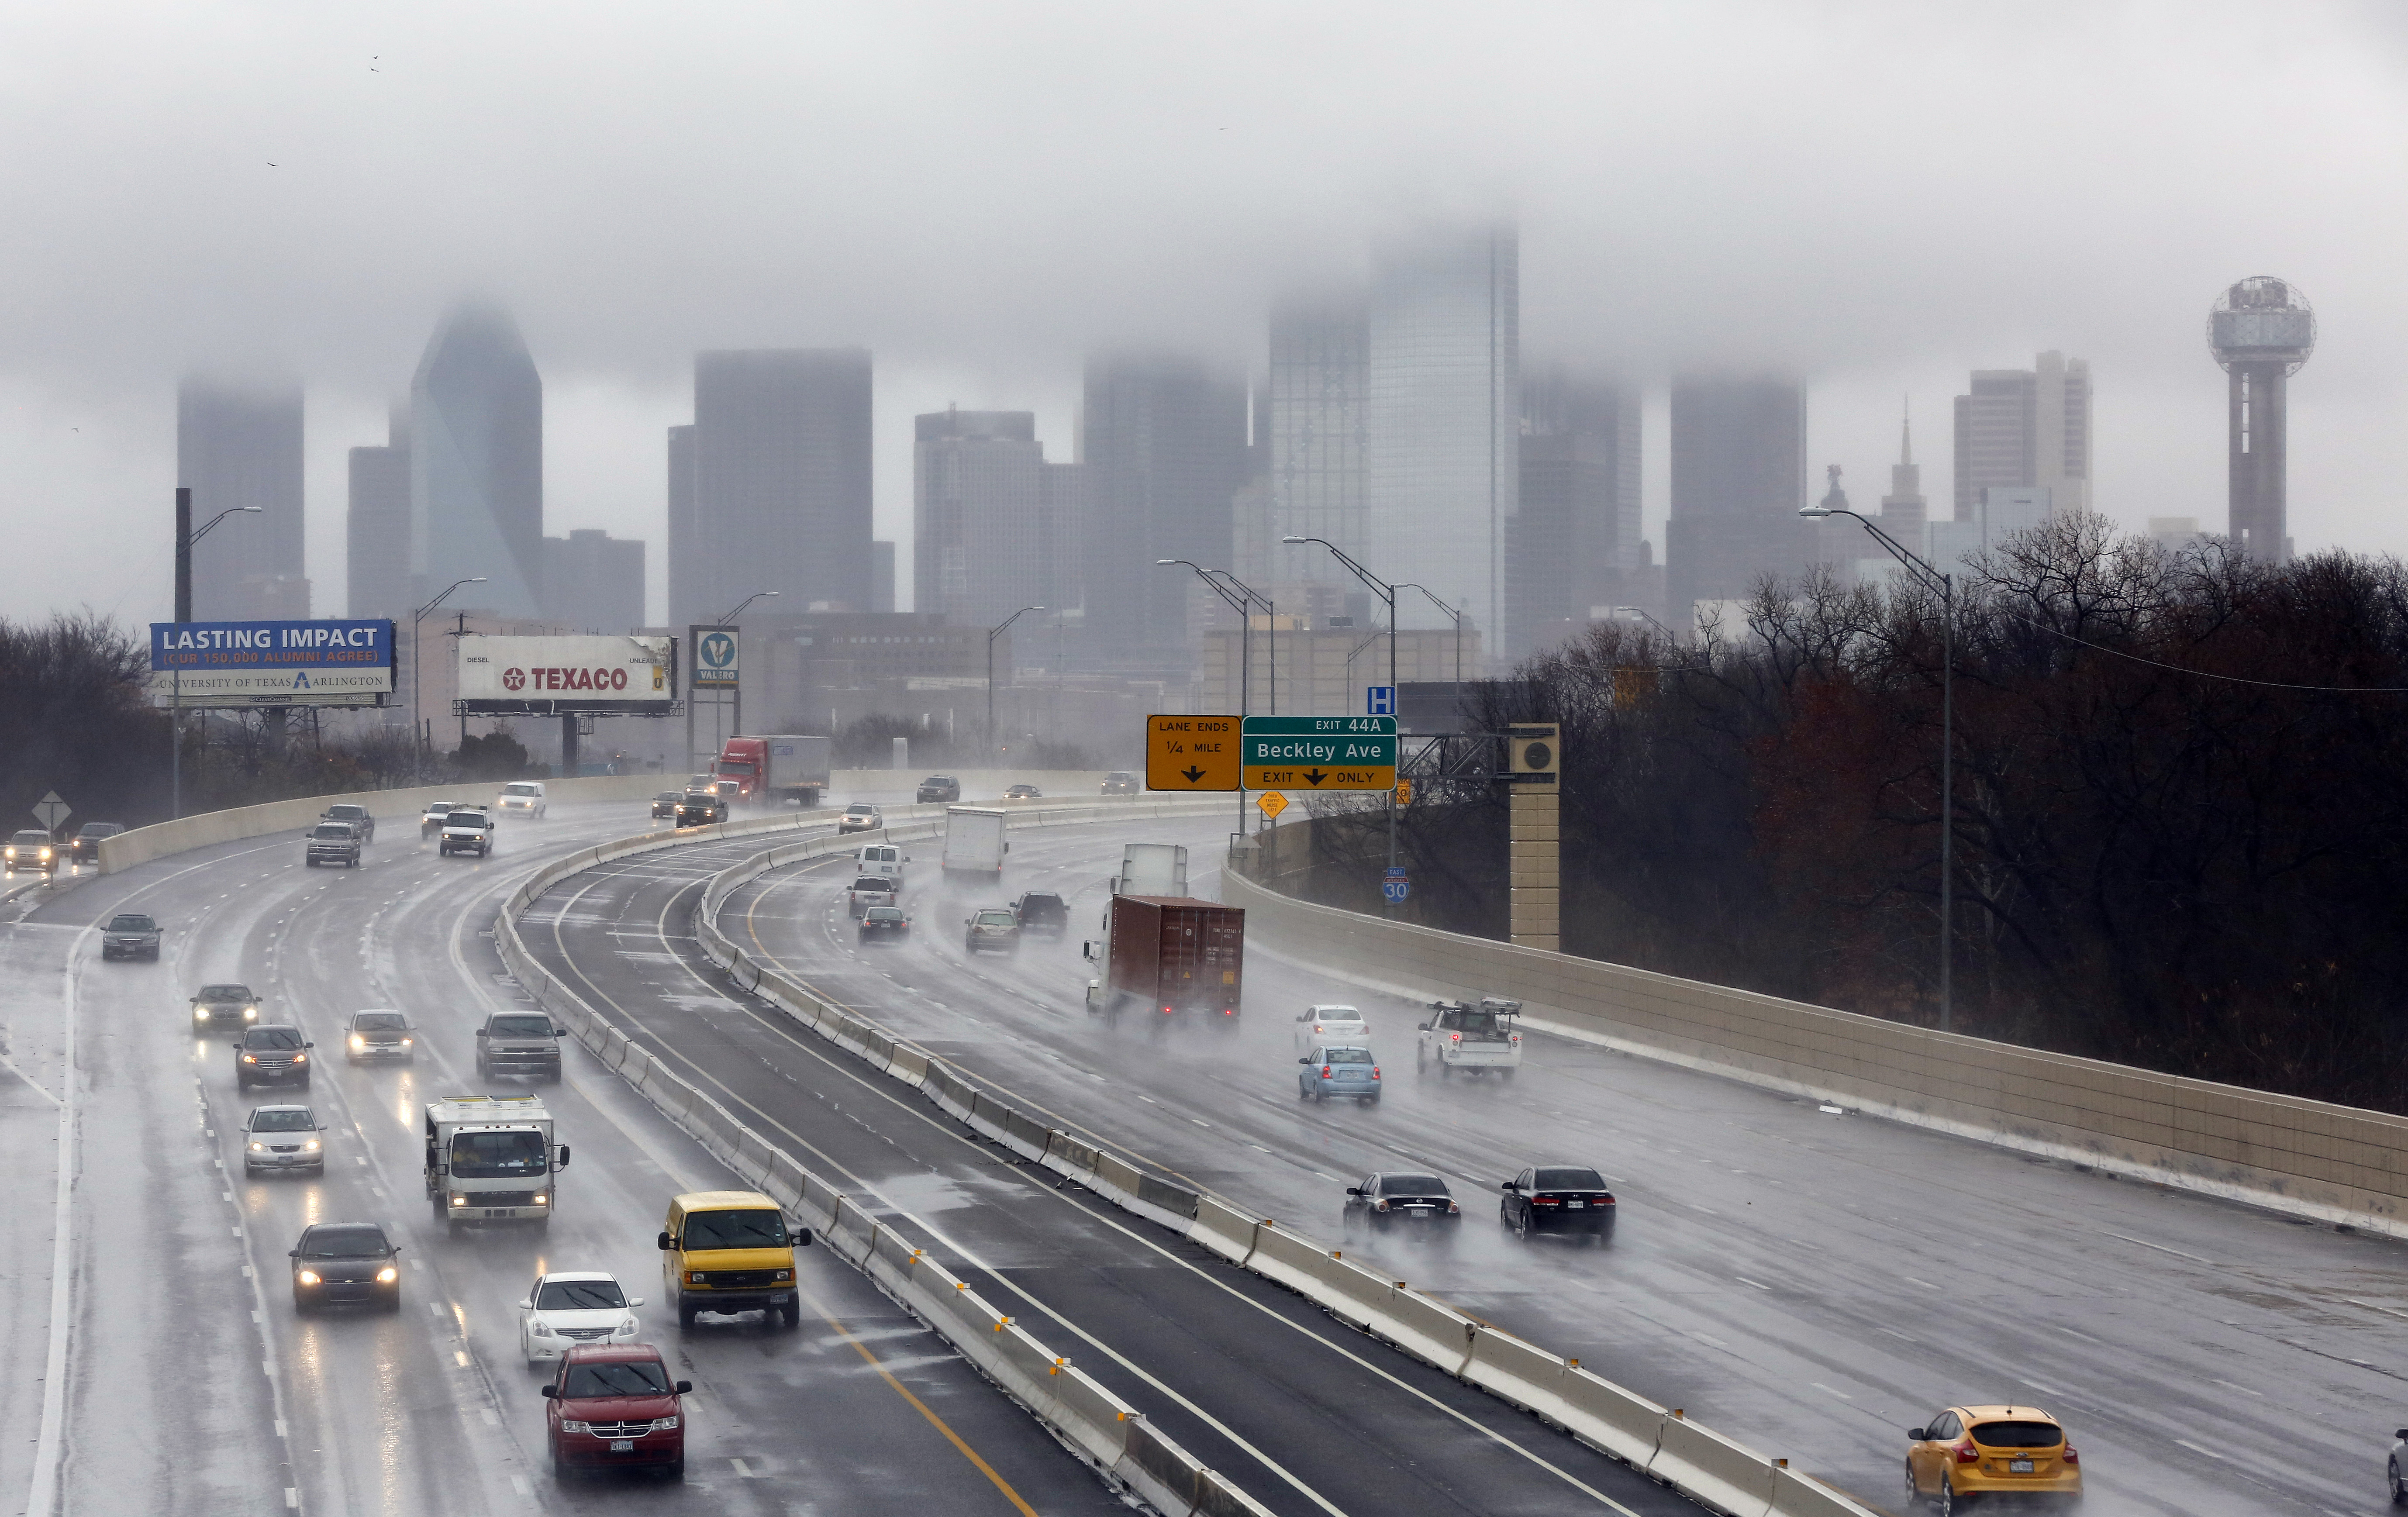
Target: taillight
[1375, 1071]
[1515, 1040]
[1546, 1201]
[1380, 1205]
[1166, 1010]
[1452, 1208]
[1454, 1038]
[1967, 1454]
[2073, 1456]
[1325, 1071]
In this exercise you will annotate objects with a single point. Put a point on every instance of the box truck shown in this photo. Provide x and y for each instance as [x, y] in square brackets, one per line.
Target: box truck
[1169, 956]
[776, 771]
[974, 844]
[490, 1158]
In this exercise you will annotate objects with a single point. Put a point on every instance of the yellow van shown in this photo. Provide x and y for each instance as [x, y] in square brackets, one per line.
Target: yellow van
[729, 1251]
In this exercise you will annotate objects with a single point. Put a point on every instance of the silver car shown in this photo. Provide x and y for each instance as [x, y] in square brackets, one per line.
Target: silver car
[1337, 1071]
[867, 891]
[282, 1137]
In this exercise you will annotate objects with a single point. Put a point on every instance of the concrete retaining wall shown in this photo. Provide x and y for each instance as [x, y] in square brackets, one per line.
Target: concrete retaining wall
[2333, 1164]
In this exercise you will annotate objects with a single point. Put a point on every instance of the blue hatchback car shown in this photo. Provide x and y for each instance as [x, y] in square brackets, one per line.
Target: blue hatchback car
[1337, 1071]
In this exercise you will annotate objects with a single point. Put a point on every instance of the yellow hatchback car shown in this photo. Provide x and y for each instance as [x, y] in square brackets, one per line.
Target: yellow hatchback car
[728, 1251]
[1967, 1452]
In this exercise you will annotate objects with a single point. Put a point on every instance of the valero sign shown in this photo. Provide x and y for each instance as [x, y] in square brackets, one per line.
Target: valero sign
[329, 663]
[566, 675]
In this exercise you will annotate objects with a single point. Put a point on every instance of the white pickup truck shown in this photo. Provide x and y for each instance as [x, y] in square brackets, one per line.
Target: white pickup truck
[1471, 1040]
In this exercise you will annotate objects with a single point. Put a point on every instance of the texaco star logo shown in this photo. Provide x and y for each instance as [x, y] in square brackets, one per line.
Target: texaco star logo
[514, 678]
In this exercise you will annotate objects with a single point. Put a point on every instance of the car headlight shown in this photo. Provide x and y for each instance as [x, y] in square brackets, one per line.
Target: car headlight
[785, 1274]
[664, 1425]
[250, 1058]
[307, 1277]
[248, 1012]
[542, 1200]
[200, 1013]
[406, 1042]
[538, 1327]
[696, 1277]
[387, 1275]
[259, 1148]
[357, 1041]
[310, 1147]
[569, 1425]
[459, 1200]
[627, 1328]
[300, 1058]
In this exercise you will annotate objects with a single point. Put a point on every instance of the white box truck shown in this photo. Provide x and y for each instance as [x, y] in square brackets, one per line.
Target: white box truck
[490, 1158]
[974, 842]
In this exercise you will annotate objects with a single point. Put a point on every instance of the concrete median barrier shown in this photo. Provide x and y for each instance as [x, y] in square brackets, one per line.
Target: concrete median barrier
[1223, 1229]
[1623, 1423]
[1702, 1463]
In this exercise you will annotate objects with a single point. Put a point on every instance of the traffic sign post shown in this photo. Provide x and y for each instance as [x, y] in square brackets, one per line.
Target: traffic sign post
[1319, 752]
[1272, 803]
[1191, 753]
[51, 810]
[1396, 887]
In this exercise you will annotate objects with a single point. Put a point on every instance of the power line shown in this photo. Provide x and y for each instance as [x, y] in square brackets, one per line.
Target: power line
[2204, 674]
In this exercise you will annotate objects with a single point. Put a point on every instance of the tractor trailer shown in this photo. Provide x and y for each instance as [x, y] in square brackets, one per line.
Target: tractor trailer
[776, 771]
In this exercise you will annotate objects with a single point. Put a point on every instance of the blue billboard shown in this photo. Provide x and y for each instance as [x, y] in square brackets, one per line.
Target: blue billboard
[327, 663]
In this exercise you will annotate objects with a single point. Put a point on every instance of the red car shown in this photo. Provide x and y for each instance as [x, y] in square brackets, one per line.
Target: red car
[614, 1407]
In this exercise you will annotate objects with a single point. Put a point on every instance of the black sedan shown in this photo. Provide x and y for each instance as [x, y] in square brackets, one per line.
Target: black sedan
[1557, 1198]
[1420, 1205]
[700, 809]
[885, 924]
[342, 1262]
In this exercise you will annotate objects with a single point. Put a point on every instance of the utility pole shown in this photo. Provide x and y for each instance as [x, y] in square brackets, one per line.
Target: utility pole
[185, 536]
[1386, 592]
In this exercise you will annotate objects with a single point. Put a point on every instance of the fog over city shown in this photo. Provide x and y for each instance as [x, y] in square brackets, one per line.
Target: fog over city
[1877, 197]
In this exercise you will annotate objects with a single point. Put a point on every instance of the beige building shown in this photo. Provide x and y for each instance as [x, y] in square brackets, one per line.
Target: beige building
[1323, 671]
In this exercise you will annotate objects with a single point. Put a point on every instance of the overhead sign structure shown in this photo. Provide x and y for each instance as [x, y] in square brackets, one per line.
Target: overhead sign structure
[329, 663]
[584, 676]
[715, 650]
[1319, 752]
[1272, 802]
[1191, 753]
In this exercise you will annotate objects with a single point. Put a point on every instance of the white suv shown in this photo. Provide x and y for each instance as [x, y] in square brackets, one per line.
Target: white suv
[522, 795]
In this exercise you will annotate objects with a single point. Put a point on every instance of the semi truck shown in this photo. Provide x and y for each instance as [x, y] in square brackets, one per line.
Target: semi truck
[1151, 869]
[490, 1158]
[776, 770]
[974, 842]
[1169, 955]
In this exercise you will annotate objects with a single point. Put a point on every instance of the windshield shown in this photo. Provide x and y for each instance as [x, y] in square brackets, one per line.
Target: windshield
[224, 992]
[132, 924]
[291, 1118]
[522, 1027]
[1411, 1185]
[100, 829]
[735, 1230]
[346, 813]
[378, 1021]
[1336, 1013]
[645, 1376]
[735, 767]
[1346, 1055]
[1041, 903]
[498, 1155]
[884, 913]
[521, 790]
[1571, 1180]
[1482, 1023]
[272, 1037]
[343, 1241]
[580, 1296]
[332, 829]
[857, 808]
[31, 839]
[440, 807]
[994, 919]
[2018, 1435]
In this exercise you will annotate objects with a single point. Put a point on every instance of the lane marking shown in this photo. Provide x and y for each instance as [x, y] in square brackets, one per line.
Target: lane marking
[2162, 1249]
[2370, 1306]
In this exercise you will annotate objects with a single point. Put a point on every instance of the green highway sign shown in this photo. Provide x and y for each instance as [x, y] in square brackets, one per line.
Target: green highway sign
[1318, 752]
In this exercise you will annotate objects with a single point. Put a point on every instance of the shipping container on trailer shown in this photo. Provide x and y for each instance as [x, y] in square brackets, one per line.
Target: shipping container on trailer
[1169, 955]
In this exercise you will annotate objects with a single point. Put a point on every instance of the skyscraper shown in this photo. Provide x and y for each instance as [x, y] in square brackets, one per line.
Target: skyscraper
[594, 582]
[1904, 510]
[995, 526]
[1738, 476]
[1315, 423]
[476, 464]
[376, 540]
[239, 445]
[1164, 441]
[2025, 428]
[1574, 541]
[782, 481]
[682, 546]
[1443, 420]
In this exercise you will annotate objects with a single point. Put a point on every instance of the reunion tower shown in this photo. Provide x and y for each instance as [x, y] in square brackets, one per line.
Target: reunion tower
[2261, 330]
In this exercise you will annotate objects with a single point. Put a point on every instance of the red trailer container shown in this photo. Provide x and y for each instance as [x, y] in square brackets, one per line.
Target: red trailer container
[1169, 954]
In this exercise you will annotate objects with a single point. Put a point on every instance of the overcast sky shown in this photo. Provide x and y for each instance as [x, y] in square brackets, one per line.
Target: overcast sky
[1881, 196]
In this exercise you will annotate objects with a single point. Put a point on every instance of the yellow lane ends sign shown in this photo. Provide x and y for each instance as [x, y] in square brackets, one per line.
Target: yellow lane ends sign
[1191, 753]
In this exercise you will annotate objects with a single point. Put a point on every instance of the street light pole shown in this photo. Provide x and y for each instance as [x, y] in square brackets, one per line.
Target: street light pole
[1651, 622]
[734, 717]
[1459, 636]
[1387, 593]
[418, 660]
[992, 633]
[185, 537]
[1239, 604]
[1270, 626]
[1932, 579]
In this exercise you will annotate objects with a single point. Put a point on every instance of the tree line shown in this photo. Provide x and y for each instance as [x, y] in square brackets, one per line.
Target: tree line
[2177, 806]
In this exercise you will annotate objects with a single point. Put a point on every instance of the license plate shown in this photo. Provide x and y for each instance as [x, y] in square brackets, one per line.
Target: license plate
[781, 1297]
[1420, 1216]
[2019, 1466]
[622, 1445]
[1575, 1206]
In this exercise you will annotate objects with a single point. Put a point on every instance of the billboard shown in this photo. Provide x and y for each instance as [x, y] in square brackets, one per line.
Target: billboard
[715, 651]
[583, 676]
[271, 663]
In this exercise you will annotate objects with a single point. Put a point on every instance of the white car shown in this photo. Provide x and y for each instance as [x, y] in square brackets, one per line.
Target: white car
[569, 1307]
[525, 797]
[1336, 1026]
